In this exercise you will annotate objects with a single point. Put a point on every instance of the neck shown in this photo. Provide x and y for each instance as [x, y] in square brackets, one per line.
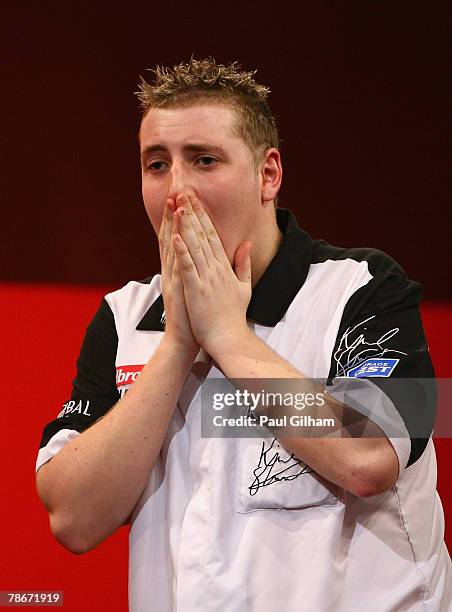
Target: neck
[263, 252]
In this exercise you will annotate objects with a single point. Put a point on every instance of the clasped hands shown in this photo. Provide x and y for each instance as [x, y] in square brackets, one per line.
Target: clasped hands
[205, 297]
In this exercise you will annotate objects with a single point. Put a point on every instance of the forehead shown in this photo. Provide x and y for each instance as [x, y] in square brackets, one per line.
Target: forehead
[214, 121]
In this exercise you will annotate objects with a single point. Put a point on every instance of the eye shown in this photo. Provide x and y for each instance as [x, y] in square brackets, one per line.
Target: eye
[152, 165]
[208, 158]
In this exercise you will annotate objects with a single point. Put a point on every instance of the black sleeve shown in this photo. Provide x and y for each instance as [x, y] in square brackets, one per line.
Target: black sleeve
[381, 354]
[94, 389]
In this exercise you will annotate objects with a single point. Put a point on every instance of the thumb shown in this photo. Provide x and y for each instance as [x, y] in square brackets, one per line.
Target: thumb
[242, 262]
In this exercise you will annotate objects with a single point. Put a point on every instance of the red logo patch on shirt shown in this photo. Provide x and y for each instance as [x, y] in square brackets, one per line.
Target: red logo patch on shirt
[127, 374]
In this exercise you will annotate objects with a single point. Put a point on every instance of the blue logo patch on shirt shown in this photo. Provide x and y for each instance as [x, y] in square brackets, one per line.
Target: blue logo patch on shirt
[373, 367]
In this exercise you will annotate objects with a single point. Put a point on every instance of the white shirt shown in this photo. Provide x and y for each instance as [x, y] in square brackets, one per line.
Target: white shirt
[201, 537]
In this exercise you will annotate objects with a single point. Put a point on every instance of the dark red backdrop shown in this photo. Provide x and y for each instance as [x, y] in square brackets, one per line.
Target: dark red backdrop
[359, 93]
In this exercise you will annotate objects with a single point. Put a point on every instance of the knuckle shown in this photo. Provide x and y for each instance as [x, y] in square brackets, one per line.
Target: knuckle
[187, 266]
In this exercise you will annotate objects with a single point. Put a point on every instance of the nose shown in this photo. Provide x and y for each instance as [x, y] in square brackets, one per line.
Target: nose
[179, 181]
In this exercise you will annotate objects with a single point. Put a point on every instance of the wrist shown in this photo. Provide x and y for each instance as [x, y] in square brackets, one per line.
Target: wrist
[186, 351]
[230, 342]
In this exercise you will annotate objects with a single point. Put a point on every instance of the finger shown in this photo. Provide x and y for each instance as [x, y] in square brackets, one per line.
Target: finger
[176, 276]
[161, 236]
[169, 251]
[177, 283]
[185, 263]
[171, 256]
[166, 241]
[190, 238]
[199, 230]
[209, 230]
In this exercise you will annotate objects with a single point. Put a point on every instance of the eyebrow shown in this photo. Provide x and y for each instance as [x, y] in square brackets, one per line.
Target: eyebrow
[194, 147]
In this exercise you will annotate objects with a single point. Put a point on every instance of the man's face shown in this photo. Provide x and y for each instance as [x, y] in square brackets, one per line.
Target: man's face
[193, 150]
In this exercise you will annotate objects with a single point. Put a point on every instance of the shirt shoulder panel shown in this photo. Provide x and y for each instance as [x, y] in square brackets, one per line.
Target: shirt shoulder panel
[378, 261]
[381, 342]
[94, 389]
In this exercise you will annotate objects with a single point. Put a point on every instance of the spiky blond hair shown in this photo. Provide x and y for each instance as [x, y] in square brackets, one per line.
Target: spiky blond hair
[205, 80]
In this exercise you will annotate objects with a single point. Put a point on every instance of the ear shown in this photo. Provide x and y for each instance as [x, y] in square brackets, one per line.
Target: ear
[270, 174]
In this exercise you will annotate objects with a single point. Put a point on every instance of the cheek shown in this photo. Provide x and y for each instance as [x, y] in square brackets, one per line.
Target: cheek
[154, 209]
[233, 211]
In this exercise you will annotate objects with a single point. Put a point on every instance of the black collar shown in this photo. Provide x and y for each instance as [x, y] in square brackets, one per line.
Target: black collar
[277, 287]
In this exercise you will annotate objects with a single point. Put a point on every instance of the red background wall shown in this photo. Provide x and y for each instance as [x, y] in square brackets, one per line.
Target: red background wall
[43, 330]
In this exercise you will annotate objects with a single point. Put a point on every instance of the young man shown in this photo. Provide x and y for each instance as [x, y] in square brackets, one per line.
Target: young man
[248, 524]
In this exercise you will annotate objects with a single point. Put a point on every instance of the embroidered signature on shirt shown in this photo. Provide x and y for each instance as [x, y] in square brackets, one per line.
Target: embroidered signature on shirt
[351, 353]
[267, 463]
